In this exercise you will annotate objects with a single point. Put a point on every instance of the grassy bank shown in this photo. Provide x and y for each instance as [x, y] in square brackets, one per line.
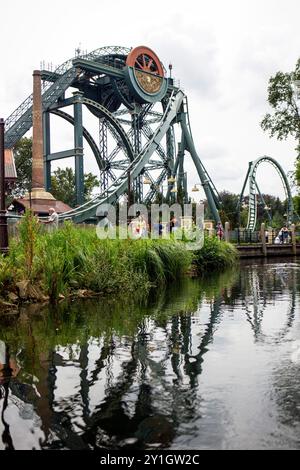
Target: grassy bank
[47, 266]
[214, 256]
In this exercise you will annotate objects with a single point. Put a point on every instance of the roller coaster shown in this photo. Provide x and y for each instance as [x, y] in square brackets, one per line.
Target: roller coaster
[137, 107]
[254, 192]
[144, 131]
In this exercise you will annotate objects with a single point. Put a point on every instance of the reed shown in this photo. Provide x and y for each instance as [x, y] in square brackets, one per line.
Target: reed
[73, 258]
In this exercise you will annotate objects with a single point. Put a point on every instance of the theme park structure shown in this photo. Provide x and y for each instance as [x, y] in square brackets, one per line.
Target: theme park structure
[137, 108]
[255, 192]
[144, 131]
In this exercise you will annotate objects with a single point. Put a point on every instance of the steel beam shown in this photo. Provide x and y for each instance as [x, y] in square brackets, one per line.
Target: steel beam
[63, 154]
[78, 144]
[63, 103]
[203, 177]
[103, 148]
[98, 68]
[47, 150]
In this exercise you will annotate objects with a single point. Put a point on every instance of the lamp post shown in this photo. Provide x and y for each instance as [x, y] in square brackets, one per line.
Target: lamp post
[195, 188]
[3, 220]
[171, 188]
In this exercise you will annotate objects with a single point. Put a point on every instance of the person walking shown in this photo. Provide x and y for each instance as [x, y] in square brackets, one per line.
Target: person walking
[52, 221]
[219, 231]
[174, 225]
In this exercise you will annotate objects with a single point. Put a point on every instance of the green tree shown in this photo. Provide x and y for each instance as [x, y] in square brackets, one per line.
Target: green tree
[284, 121]
[228, 211]
[278, 220]
[23, 162]
[63, 185]
[62, 181]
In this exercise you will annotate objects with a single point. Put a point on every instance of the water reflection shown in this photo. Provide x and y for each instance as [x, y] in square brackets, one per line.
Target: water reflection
[205, 364]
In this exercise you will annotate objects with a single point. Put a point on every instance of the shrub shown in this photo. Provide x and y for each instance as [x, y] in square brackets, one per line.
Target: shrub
[215, 255]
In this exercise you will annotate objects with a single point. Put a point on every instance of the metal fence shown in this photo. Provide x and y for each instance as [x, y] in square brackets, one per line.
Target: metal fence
[243, 236]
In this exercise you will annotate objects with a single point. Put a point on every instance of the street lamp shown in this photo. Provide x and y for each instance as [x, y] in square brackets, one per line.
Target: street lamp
[171, 180]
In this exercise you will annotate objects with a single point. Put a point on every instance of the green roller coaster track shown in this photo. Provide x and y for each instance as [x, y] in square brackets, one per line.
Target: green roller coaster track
[136, 138]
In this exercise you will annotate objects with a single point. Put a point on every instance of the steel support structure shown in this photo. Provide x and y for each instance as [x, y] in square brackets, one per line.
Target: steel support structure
[103, 153]
[47, 150]
[137, 145]
[189, 145]
[78, 144]
[109, 89]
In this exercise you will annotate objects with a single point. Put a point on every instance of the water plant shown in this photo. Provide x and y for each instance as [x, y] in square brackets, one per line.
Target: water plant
[73, 258]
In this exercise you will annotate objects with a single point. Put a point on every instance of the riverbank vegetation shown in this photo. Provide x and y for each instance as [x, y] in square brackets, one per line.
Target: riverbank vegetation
[73, 261]
[214, 256]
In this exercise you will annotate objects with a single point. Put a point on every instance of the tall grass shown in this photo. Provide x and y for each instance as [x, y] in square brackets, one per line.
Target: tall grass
[74, 258]
[215, 256]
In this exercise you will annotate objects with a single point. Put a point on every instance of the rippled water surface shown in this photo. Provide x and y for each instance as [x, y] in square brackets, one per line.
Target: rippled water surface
[206, 364]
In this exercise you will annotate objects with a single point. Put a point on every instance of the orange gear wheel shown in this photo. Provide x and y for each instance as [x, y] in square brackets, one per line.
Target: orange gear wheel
[144, 59]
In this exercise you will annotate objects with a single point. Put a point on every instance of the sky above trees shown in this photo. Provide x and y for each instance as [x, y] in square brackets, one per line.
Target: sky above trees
[223, 53]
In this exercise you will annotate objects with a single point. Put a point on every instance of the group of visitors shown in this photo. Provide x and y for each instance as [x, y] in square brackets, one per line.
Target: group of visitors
[283, 235]
[139, 227]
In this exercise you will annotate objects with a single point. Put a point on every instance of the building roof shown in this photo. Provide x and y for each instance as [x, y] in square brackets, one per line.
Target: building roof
[9, 164]
[41, 206]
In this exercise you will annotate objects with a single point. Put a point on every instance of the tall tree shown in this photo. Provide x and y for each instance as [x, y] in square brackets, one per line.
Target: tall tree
[284, 121]
[23, 162]
[63, 185]
[228, 211]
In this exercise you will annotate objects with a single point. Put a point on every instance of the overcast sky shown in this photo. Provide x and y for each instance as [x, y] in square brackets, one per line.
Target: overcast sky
[223, 53]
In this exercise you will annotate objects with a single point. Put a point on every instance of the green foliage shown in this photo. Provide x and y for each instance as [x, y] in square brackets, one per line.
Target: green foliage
[285, 120]
[74, 258]
[215, 255]
[28, 230]
[23, 162]
[277, 220]
[296, 200]
[228, 212]
[63, 185]
[297, 172]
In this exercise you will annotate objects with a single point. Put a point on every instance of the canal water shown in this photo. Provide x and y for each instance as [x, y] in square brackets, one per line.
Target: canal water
[205, 364]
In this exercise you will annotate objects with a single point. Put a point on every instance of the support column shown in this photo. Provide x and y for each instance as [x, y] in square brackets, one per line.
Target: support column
[226, 233]
[103, 152]
[294, 245]
[181, 146]
[170, 151]
[47, 150]
[137, 145]
[263, 239]
[37, 134]
[203, 178]
[78, 144]
[185, 189]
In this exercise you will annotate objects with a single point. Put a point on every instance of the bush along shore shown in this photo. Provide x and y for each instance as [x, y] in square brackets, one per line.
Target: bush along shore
[72, 261]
